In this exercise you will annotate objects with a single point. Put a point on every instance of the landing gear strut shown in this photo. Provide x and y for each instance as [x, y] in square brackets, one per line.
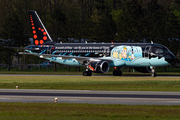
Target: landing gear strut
[117, 72]
[153, 74]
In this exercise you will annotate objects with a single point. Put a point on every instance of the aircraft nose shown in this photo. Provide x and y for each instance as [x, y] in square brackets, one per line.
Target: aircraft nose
[170, 58]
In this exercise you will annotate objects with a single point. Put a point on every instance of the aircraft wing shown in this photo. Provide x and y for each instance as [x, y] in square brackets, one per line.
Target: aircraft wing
[78, 58]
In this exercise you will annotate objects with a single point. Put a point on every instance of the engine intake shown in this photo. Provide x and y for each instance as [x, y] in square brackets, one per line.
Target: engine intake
[99, 67]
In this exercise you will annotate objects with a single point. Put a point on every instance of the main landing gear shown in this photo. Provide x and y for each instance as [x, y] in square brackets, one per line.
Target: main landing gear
[87, 73]
[153, 74]
[117, 72]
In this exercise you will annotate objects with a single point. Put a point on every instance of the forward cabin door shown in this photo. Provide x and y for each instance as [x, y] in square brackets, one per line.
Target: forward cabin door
[147, 51]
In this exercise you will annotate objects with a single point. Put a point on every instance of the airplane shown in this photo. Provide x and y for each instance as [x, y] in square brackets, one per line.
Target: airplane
[97, 57]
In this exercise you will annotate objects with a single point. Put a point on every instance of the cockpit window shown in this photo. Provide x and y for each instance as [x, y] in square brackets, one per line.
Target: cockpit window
[159, 51]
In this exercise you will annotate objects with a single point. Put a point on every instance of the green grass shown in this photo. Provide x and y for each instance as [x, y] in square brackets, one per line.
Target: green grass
[63, 111]
[41, 69]
[63, 70]
[73, 70]
[91, 83]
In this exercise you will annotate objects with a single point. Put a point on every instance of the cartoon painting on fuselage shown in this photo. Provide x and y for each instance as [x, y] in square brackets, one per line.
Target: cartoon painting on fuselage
[97, 57]
[126, 53]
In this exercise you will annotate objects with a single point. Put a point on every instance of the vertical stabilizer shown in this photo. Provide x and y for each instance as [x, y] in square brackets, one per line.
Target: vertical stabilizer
[40, 34]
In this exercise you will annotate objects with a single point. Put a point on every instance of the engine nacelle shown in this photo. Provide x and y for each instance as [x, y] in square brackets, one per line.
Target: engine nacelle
[99, 67]
[143, 69]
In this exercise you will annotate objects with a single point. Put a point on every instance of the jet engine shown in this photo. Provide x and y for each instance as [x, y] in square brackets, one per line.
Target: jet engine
[99, 67]
[143, 69]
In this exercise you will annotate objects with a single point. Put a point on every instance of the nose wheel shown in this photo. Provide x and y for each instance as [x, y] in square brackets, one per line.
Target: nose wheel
[153, 74]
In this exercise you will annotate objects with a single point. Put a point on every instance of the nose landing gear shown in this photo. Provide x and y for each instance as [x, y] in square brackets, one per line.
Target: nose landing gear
[153, 74]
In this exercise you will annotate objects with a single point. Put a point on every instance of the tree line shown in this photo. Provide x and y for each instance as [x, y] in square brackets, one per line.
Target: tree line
[96, 20]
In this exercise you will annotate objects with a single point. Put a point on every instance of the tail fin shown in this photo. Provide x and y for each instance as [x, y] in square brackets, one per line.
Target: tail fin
[40, 34]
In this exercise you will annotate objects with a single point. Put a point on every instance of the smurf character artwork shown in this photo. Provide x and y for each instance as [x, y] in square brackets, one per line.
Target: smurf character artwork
[126, 53]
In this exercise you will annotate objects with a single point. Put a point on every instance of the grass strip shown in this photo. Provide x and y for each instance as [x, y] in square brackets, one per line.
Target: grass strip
[64, 111]
[80, 73]
[91, 83]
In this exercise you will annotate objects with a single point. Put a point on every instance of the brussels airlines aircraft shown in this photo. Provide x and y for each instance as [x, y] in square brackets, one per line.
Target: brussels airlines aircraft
[97, 57]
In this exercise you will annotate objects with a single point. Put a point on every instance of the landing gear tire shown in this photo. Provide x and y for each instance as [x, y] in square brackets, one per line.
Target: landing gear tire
[117, 72]
[87, 73]
[154, 74]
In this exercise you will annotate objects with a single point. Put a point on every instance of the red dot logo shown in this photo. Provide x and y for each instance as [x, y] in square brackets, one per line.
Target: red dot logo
[44, 38]
[36, 42]
[41, 41]
[34, 32]
[44, 33]
[35, 36]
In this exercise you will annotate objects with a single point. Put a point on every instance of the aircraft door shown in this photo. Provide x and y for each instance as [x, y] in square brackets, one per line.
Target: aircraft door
[147, 51]
[106, 52]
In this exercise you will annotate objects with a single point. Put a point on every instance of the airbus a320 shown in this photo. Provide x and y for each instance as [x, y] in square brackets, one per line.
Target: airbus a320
[97, 57]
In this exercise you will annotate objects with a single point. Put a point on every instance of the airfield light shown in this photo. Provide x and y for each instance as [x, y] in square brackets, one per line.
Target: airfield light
[42, 30]
[32, 24]
[39, 28]
[115, 67]
[55, 100]
[33, 28]
[16, 87]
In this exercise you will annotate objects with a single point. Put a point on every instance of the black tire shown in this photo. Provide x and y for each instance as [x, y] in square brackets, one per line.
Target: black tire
[120, 73]
[85, 73]
[89, 73]
[117, 72]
